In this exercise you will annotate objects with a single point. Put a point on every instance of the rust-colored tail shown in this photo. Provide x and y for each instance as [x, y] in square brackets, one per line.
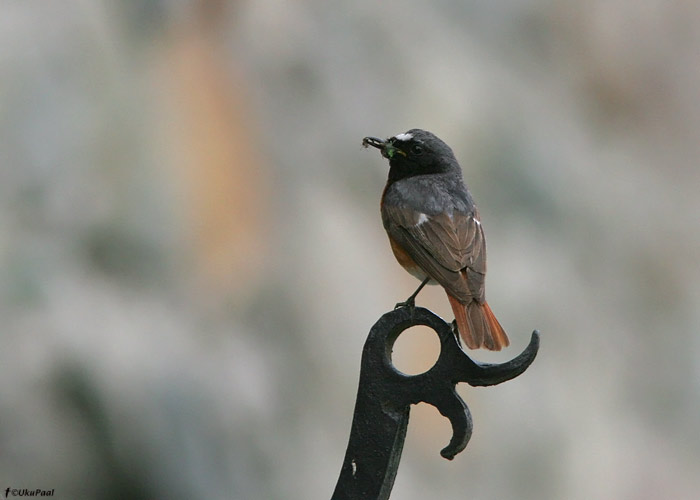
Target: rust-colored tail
[478, 326]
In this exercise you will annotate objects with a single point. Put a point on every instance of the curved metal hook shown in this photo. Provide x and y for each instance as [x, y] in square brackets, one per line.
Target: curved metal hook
[385, 394]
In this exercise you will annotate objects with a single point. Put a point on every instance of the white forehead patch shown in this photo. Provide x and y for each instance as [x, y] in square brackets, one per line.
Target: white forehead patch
[421, 219]
[404, 137]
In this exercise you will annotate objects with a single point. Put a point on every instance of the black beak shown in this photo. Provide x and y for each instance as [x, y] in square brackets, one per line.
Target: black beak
[374, 142]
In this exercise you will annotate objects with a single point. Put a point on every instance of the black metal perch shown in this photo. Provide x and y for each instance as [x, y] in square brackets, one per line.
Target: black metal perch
[384, 397]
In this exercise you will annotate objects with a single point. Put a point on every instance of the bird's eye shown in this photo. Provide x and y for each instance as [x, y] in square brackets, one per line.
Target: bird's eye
[416, 149]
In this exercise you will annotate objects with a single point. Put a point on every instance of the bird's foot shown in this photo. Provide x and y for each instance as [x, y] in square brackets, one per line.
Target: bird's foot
[455, 331]
[410, 302]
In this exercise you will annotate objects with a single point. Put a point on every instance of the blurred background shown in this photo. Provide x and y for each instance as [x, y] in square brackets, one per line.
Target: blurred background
[191, 253]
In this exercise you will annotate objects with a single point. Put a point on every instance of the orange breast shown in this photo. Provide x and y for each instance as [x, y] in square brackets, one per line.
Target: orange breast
[406, 260]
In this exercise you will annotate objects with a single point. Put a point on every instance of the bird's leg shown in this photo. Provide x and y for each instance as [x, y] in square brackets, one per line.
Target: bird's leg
[411, 301]
[455, 332]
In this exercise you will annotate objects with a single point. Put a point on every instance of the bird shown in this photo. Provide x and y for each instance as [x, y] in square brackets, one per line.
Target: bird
[435, 230]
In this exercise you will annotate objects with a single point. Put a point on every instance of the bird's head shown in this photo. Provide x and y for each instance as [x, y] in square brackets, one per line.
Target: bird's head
[416, 152]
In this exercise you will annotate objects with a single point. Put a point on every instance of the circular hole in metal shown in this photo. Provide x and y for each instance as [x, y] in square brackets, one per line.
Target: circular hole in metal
[416, 350]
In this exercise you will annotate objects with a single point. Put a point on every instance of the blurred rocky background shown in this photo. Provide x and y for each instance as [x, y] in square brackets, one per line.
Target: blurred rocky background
[191, 253]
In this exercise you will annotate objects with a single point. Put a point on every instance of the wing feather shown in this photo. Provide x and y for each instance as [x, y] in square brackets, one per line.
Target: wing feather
[449, 248]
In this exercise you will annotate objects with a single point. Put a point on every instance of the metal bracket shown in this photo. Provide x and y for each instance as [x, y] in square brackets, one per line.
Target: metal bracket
[384, 397]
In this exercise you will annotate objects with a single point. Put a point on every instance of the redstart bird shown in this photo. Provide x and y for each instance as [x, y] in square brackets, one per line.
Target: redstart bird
[435, 231]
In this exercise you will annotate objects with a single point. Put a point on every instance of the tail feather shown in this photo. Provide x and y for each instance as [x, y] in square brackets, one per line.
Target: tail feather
[498, 334]
[478, 326]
